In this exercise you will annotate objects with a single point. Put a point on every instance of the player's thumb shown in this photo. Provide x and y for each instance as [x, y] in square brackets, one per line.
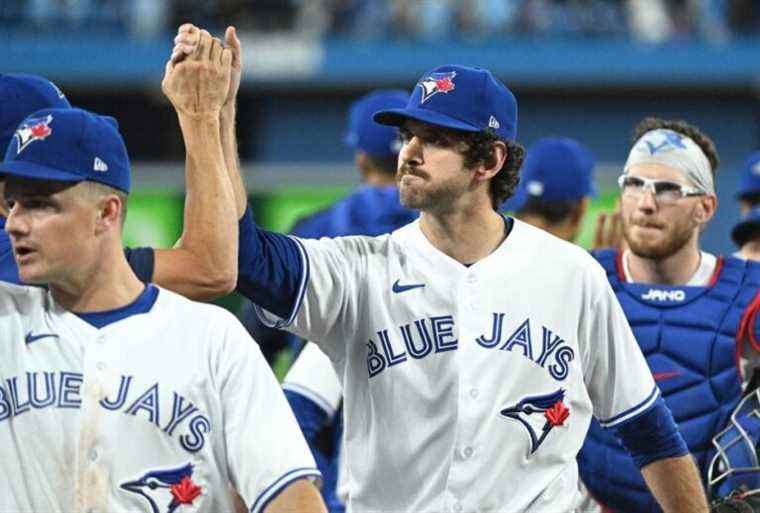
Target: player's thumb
[231, 40]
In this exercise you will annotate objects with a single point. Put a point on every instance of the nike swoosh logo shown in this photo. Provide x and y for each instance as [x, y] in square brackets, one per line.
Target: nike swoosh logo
[398, 288]
[31, 337]
[662, 376]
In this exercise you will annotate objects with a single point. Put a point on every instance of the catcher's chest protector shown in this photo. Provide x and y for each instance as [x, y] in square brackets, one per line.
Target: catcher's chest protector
[689, 338]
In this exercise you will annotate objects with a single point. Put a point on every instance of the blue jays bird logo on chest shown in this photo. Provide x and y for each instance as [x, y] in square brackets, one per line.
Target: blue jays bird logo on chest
[166, 490]
[436, 83]
[544, 412]
[34, 129]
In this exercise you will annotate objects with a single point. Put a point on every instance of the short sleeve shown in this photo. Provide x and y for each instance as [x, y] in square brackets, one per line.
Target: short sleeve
[617, 376]
[328, 306]
[265, 448]
[312, 376]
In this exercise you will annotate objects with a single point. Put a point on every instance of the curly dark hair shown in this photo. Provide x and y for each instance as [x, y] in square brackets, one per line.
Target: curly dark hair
[682, 127]
[480, 149]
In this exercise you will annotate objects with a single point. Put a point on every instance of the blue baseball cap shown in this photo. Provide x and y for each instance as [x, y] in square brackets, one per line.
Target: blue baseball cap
[749, 182]
[22, 94]
[68, 145]
[364, 133]
[458, 97]
[555, 169]
[747, 226]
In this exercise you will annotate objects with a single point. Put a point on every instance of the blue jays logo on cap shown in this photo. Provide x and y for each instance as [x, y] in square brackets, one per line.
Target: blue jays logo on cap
[33, 129]
[436, 83]
[70, 145]
[470, 100]
[550, 407]
[166, 490]
[668, 141]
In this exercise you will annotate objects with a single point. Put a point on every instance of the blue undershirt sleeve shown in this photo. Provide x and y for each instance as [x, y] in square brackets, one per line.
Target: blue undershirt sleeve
[652, 435]
[311, 418]
[142, 261]
[270, 267]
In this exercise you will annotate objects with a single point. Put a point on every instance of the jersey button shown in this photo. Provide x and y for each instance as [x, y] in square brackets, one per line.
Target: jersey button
[101, 366]
[471, 278]
[101, 339]
[93, 454]
[474, 393]
[457, 507]
[467, 452]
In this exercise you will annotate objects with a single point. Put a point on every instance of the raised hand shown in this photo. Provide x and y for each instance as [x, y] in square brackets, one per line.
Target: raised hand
[232, 42]
[608, 232]
[198, 83]
[186, 41]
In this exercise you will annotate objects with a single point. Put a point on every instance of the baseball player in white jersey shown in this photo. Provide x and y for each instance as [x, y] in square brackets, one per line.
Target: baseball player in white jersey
[473, 349]
[116, 396]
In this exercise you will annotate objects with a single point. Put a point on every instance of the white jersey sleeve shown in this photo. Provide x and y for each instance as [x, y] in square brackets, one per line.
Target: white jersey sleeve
[265, 448]
[312, 376]
[617, 376]
[327, 309]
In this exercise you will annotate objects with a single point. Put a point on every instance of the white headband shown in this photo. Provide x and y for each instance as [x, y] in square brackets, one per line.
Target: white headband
[669, 148]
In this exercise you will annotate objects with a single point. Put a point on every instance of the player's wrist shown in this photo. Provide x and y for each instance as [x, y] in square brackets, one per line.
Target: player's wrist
[207, 117]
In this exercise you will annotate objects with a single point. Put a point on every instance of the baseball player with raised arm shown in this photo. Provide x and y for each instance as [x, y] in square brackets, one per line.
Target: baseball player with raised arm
[473, 349]
[116, 395]
[190, 268]
[694, 314]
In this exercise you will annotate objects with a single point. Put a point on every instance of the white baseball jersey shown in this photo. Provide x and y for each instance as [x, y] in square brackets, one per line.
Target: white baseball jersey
[155, 413]
[468, 388]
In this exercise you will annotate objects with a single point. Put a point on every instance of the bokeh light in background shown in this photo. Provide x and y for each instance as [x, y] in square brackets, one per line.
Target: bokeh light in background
[587, 69]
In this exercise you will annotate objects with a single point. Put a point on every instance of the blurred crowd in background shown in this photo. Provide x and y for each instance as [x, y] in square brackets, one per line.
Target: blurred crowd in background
[652, 21]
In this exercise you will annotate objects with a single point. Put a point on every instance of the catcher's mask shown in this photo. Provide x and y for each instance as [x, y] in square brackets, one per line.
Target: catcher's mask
[736, 462]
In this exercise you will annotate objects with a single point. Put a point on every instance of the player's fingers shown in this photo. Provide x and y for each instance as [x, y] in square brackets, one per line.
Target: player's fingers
[232, 42]
[188, 28]
[183, 48]
[215, 52]
[203, 47]
[598, 239]
[226, 58]
[617, 228]
[185, 38]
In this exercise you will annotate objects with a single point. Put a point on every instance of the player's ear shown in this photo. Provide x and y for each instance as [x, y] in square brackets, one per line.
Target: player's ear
[109, 215]
[494, 163]
[706, 208]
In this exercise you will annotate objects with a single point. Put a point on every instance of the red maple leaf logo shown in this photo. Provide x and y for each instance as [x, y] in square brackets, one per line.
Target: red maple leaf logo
[185, 492]
[557, 414]
[444, 84]
[40, 130]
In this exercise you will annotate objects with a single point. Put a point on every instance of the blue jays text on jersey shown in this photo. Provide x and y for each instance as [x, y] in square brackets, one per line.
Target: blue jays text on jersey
[422, 337]
[38, 390]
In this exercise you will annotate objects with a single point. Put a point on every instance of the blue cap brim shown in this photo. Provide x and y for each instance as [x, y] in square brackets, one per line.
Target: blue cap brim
[37, 172]
[396, 117]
